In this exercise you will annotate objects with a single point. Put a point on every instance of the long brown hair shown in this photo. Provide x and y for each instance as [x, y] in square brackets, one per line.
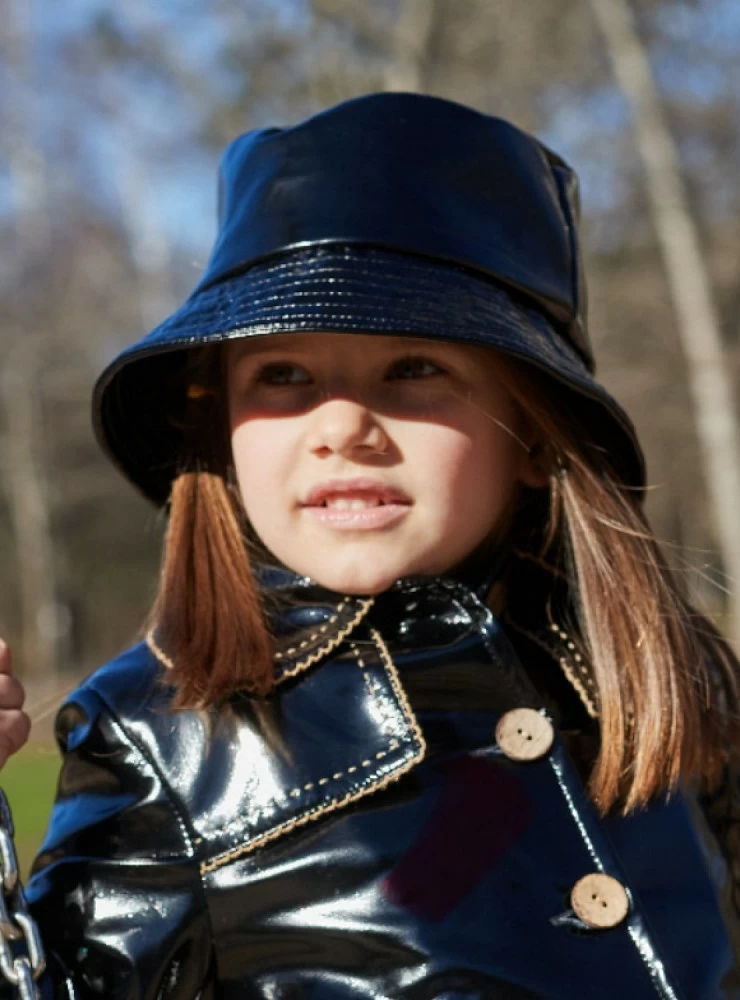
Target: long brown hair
[207, 622]
[667, 683]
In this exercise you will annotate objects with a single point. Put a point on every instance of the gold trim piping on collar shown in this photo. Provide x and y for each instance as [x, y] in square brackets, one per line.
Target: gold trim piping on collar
[301, 665]
[328, 646]
[585, 684]
[321, 810]
[156, 650]
[305, 642]
[397, 686]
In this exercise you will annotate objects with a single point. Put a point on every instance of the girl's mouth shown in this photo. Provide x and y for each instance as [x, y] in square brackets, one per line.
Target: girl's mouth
[356, 513]
[365, 489]
[359, 504]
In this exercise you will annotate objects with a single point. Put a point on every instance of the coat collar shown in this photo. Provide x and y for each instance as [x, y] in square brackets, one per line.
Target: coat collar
[354, 725]
[308, 621]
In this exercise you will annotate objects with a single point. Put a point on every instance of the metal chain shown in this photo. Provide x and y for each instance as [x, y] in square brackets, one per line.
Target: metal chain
[22, 963]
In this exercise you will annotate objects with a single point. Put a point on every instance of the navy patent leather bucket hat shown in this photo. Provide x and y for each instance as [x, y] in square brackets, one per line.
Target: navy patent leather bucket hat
[391, 214]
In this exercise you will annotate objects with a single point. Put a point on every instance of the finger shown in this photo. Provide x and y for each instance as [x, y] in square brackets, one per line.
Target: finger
[6, 659]
[15, 727]
[12, 694]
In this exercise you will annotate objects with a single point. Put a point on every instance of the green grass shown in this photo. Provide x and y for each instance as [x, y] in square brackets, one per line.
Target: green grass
[29, 779]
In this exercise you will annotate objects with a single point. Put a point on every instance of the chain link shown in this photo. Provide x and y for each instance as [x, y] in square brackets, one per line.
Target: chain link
[21, 963]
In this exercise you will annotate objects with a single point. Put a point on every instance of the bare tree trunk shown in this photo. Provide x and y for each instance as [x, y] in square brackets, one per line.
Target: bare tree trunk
[24, 465]
[710, 379]
[23, 473]
[411, 45]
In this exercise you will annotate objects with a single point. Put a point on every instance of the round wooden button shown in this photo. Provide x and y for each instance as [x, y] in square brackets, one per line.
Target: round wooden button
[524, 734]
[600, 900]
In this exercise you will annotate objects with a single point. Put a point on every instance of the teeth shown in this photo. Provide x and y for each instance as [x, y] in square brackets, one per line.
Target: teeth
[342, 503]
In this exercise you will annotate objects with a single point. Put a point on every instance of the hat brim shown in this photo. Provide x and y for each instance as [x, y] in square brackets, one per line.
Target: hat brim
[347, 289]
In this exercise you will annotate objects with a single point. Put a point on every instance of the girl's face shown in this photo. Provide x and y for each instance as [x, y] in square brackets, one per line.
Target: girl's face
[364, 458]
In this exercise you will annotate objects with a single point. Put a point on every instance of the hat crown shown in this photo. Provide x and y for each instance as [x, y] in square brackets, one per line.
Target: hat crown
[412, 173]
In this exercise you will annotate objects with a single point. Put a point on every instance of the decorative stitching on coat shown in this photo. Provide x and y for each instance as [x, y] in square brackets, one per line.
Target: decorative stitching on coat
[315, 635]
[585, 684]
[332, 643]
[301, 665]
[372, 687]
[397, 687]
[296, 792]
[310, 785]
[334, 804]
[306, 817]
[157, 651]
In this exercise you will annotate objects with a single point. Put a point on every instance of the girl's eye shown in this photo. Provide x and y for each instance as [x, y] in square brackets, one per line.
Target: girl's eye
[282, 373]
[414, 367]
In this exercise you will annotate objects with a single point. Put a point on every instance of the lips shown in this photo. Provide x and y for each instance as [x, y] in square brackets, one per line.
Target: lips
[354, 494]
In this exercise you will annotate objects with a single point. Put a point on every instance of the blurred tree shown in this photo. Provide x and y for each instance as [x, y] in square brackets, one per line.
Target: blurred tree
[712, 386]
[24, 466]
[411, 43]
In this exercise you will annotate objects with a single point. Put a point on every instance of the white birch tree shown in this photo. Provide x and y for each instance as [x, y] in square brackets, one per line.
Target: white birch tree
[709, 375]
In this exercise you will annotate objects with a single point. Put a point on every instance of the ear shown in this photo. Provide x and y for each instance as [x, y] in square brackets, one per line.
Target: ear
[535, 469]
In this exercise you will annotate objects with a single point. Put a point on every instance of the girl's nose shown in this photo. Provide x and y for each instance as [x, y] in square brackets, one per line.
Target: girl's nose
[346, 428]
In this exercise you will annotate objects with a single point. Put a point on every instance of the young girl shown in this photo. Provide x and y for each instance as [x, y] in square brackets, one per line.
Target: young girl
[419, 712]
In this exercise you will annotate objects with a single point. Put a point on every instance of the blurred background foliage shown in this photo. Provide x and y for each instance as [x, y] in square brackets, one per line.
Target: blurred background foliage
[113, 118]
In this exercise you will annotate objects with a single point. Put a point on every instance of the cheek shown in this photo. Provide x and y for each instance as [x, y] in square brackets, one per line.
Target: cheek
[472, 466]
[259, 452]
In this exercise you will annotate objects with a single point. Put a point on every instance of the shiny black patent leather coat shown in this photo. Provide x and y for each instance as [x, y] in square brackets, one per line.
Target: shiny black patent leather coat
[368, 838]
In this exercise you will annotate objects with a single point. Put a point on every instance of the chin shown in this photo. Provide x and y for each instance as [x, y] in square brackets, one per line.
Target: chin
[358, 581]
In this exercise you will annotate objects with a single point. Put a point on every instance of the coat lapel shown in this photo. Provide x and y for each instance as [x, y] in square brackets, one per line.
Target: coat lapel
[346, 730]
